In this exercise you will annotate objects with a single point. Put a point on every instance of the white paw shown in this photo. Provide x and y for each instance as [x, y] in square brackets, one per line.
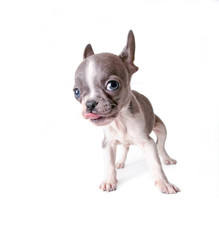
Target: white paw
[166, 187]
[169, 161]
[120, 165]
[108, 186]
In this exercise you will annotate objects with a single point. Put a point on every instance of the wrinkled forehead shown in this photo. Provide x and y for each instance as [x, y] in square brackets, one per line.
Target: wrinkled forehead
[101, 67]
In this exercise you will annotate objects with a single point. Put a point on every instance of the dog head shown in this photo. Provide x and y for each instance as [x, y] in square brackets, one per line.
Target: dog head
[102, 82]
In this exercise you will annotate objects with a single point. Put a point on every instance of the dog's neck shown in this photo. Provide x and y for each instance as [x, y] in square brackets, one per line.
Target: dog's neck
[124, 122]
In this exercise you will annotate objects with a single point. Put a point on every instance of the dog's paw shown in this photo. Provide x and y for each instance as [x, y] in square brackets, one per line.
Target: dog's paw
[166, 187]
[169, 161]
[108, 186]
[120, 165]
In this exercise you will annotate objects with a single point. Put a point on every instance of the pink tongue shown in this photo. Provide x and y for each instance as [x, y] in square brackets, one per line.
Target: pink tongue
[91, 116]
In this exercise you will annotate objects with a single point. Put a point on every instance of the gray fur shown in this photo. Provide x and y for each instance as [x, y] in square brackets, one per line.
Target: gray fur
[127, 116]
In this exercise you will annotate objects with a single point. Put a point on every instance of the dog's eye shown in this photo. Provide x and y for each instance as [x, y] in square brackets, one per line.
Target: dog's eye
[77, 93]
[112, 85]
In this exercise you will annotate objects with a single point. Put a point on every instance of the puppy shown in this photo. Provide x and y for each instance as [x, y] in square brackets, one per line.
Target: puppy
[102, 86]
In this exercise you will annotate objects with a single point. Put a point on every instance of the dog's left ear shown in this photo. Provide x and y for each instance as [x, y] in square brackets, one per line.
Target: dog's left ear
[88, 51]
[128, 53]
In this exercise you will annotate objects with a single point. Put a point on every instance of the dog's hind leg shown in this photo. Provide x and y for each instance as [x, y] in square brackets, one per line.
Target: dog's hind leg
[121, 162]
[161, 133]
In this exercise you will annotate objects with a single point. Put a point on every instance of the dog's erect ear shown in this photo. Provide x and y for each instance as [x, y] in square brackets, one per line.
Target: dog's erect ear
[128, 53]
[88, 51]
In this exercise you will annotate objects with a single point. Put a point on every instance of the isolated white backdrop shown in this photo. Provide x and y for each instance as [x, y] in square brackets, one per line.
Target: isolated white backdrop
[51, 159]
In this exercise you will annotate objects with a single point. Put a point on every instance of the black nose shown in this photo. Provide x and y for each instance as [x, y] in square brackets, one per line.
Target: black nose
[91, 105]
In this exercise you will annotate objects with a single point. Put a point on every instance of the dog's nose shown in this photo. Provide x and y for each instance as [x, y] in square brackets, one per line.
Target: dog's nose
[91, 105]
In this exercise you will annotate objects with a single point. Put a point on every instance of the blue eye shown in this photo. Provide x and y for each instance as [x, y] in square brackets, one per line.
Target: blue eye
[77, 93]
[112, 86]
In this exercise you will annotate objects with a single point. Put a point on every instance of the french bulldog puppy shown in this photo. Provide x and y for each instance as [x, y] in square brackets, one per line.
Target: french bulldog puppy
[102, 86]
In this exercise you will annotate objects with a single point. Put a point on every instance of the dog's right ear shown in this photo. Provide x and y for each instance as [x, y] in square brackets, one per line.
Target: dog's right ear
[88, 51]
[128, 53]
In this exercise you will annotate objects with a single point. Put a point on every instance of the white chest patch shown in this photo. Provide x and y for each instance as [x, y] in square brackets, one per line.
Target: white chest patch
[90, 75]
[126, 128]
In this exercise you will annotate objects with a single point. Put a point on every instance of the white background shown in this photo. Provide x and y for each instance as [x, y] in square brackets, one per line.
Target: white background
[51, 159]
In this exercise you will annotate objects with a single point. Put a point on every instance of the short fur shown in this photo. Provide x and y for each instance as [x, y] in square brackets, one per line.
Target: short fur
[126, 116]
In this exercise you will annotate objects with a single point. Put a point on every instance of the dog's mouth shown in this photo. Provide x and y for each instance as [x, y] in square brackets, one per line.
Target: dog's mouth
[99, 120]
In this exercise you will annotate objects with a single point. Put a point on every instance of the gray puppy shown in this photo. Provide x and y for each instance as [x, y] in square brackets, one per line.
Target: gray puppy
[102, 86]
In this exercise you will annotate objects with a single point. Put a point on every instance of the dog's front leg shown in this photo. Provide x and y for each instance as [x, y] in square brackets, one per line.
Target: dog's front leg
[150, 151]
[110, 182]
